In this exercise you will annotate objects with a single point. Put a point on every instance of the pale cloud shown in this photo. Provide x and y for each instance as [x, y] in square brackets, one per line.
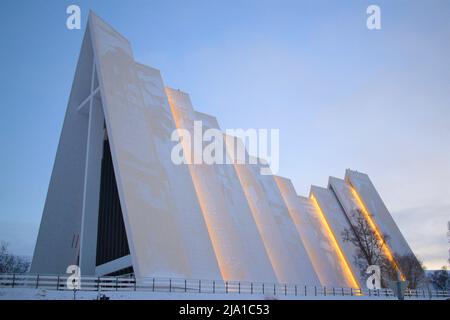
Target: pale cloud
[425, 229]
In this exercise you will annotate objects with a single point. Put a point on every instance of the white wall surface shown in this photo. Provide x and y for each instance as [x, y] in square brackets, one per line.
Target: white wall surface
[58, 239]
[316, 239]
[160, 219]
[338, 223]
[376, 207]
[237, 243]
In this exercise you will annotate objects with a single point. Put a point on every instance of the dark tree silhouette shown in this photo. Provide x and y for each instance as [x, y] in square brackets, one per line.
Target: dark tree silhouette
[10, 263]
[370, 251]
[413, 270]
[440, 279]
[369, 248]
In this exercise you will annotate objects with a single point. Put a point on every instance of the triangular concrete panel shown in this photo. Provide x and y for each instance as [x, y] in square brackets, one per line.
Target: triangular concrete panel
[58, 242]
[160, 209]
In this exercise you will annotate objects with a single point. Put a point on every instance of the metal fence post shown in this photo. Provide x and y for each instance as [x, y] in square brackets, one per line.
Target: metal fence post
[57, 283]
[14, 280]
[170, 285]
[199, 286]
[134, 282]
[117, 283]
[305, 292]
[239, 286]
[214, 287]
[153, 284]
[324, 290]
[226, 286]
[334, 292]
[185, 285]
[263, 288]
[295, 289]
[315, 290]
[274, 289]
[285, 289]
[351, 291]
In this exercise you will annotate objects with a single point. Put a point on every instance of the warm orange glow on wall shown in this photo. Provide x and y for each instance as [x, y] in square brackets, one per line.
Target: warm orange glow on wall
[350, 277]
[283, 190]
[377, 232]
[244, 175]
[221, 259]
[270, 247]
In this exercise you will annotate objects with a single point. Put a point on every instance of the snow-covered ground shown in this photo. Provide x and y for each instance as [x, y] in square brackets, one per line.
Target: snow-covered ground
[42, 294]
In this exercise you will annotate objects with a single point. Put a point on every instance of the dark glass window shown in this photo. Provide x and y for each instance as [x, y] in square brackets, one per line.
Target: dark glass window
[112, 240]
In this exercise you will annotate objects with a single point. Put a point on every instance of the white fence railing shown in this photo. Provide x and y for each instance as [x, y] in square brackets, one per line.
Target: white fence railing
[51, 282]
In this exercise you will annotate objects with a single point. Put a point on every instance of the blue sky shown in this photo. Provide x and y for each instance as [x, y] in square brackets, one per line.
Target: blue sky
[341, 95]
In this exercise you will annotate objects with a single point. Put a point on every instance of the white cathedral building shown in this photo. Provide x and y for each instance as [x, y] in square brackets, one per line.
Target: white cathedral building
[117, 204]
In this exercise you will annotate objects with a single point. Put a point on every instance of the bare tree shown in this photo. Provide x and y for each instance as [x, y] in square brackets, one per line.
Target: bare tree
[440, 279]
[10, 263]
[370, 251]
[369, 247]
[412, 269]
